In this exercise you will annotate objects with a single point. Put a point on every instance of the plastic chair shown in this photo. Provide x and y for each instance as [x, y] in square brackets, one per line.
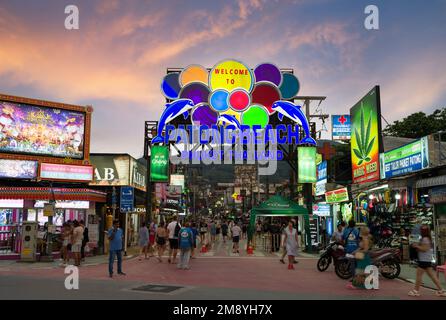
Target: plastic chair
[442, 269]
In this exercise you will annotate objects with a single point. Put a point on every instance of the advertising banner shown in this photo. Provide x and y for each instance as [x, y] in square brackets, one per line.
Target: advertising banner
[366, 137]
[409, 158]
[38, 130]
[51, 171]
[340, 195]
[18, 169]
[321, 178]
[127, 199]
[177, 180]
[307, 164]
[159, 166]
[340, 126]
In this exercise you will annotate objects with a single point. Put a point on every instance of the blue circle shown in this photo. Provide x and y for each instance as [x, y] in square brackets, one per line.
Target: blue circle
[170, 86]
[219, 100]
[290, 86]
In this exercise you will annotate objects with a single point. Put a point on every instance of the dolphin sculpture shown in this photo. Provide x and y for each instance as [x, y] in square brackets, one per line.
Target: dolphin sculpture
[229, 120]
[293, 112]
[173, 110]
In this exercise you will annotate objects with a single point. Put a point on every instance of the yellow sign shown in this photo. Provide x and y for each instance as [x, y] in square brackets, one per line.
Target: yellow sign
[230, 75]
[26, 251]
[48, 210]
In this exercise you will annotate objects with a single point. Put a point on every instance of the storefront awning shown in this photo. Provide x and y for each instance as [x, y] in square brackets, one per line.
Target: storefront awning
[47, 194]
[431, 182]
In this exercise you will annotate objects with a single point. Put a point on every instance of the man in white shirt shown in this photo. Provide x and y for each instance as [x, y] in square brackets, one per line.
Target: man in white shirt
[236, 231]
[173, 229]
[78, 236]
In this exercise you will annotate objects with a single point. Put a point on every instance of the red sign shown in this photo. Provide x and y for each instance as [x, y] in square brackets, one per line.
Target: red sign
[51, 171]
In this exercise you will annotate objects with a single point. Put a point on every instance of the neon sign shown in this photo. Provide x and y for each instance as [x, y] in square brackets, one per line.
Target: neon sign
[230, 100]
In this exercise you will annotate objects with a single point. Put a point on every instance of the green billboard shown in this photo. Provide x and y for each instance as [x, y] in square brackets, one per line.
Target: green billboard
[306, 164]
[159, 164]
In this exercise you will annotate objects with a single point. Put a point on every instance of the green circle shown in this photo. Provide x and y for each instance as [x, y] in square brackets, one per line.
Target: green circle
[256, 115]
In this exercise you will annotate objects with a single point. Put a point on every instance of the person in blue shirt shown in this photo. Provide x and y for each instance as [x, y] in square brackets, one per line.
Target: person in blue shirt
[351, 241]
[194, 238]
[115, 235]
[186, 244]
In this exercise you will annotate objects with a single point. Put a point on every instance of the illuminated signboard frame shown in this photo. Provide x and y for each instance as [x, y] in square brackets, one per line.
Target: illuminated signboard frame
[336, 196]
[33, 165]
[307, 171]
[86, 111]
[54, 175]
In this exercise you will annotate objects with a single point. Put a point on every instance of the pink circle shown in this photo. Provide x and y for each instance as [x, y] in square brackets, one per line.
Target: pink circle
[239, 100]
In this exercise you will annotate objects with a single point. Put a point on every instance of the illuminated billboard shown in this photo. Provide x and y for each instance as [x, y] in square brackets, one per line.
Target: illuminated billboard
[18, 169]
[366, 137]
[306, 165]
[52, 171]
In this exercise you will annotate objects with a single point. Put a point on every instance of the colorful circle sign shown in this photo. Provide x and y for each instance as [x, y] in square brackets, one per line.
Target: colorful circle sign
[239, 100]
[256, 115]
[265, 93]
[219, 100]
[204, 115]
[268, 72]
[194, 73]
[236, 115]
[230, 75]
[196, 91]
[290, 86]
[170, 86]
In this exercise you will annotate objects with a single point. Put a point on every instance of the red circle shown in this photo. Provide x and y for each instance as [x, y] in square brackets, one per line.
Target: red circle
[265, 94]
[239, 100]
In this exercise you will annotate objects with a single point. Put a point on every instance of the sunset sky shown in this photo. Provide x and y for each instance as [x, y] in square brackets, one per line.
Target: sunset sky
[117, 58]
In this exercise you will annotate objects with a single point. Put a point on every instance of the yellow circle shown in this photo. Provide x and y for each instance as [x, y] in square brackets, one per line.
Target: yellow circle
[194, 73]
[230, 75]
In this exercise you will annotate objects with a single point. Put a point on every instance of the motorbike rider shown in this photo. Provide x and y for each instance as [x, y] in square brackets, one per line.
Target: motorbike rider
[350, 238]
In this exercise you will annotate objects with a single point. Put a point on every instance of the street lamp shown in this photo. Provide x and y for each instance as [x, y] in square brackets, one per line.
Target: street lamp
[371, 197]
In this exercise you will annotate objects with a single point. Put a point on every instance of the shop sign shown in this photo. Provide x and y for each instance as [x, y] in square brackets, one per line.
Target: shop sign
[159, 166]
[321, 209]
[177, 180]
[48, 210]
[340, 125]
[340, 195]
[127, 199]
[306, 164]
[111, 170]
[64, 204]
[174, 191]
[321, 178]
[18, 169]
[366, 137]
[138, 173]
[409, 158]
[51, 171]
[437, 195]
[11, 204]
[140, 209]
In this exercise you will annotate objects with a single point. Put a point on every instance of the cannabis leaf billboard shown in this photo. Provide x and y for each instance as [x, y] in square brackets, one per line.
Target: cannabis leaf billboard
[366, 137]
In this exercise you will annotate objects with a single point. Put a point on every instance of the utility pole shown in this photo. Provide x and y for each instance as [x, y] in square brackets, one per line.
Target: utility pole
[150, 128]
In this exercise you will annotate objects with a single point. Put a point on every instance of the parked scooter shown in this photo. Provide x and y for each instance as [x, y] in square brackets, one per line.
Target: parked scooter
[386, 260]
[332, 253]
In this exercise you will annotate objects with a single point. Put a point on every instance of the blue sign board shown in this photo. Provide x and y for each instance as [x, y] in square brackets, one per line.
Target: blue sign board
[340, 126]
[321, 178]
[127, 199]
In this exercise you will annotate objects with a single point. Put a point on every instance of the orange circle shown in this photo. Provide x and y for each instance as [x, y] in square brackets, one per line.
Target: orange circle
[194, 73]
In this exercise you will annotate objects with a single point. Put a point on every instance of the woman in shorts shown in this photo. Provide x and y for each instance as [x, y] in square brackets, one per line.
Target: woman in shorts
[161, 239]
[66, 239]
[425, 256]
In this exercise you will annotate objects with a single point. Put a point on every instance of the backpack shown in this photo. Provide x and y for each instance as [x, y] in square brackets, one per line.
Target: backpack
[177, 230]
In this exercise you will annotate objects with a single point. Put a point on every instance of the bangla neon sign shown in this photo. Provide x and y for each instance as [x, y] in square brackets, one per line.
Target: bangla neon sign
[233, 98]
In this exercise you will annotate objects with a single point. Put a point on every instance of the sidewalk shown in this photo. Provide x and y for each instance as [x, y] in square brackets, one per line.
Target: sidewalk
[409, 274]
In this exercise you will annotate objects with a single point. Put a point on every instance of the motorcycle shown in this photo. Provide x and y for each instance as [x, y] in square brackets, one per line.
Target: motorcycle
[386, 260]
[333, 252]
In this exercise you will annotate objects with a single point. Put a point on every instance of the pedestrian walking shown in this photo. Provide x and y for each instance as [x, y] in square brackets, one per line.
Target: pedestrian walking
[143, 240]
[78, 235]
[194, 238]
[350, 238]
[161, 239]
[425, 258]
[85, 239]
[244, 231]
[186, 244]
[362, 259]
[174, 229]
[203, 231]
[283, 241]
[291, 243]
[152, 235]
[116, 237]
[224, 230]
[66, 240]
[218, 230]
[236, 231]
[213, 231]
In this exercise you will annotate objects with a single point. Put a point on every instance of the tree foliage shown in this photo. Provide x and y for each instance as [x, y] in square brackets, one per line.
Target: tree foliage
[418, 125]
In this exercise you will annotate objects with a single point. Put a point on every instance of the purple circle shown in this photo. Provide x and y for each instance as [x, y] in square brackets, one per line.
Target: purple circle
[196, 91]
[268, 72]
[204, 115]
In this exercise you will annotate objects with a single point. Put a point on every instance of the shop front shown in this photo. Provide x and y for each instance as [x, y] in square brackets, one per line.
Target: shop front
[18, 204]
